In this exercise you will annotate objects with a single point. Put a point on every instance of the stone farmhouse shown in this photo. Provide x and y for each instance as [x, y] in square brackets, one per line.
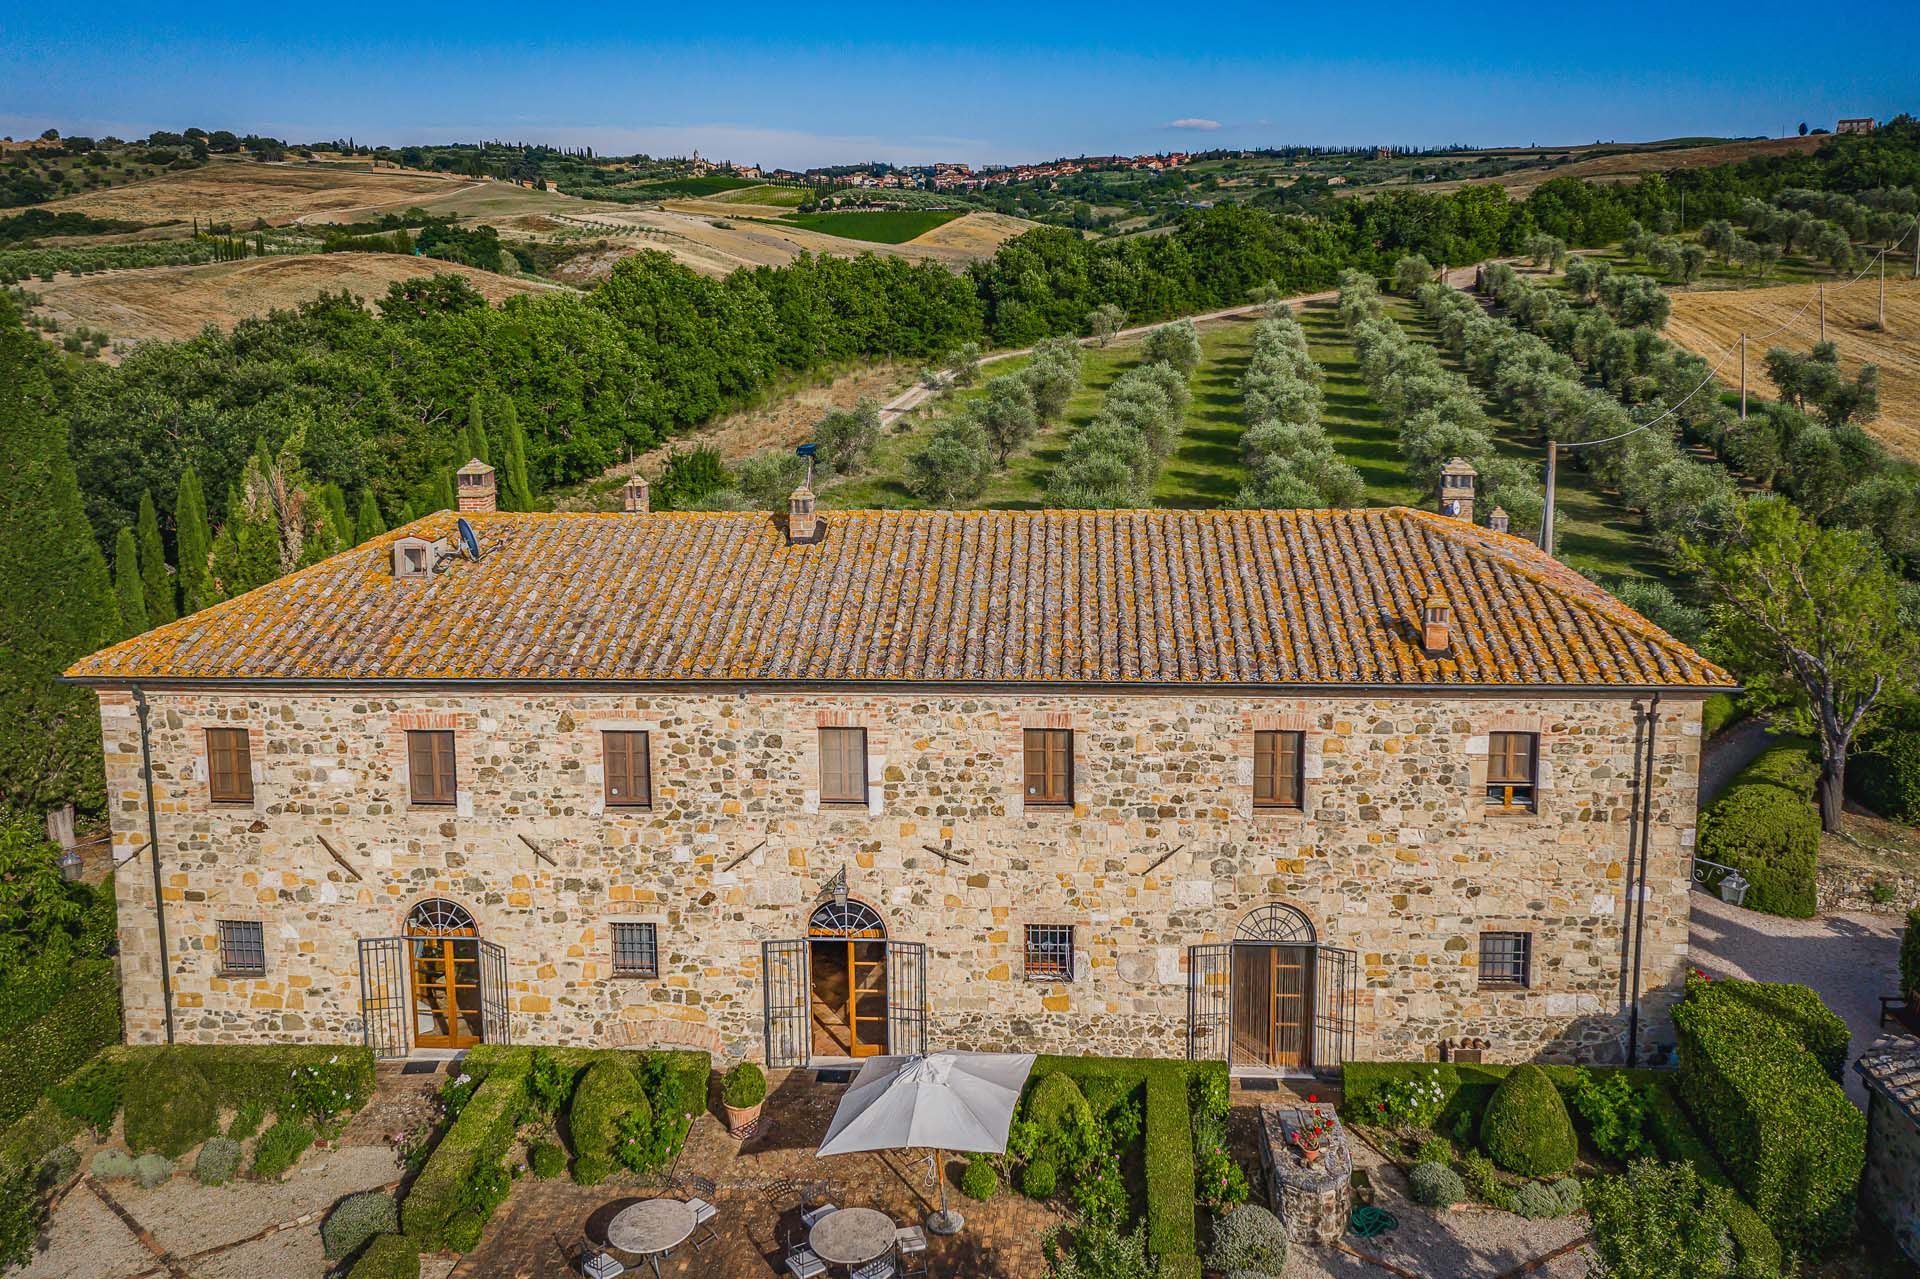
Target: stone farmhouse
[1283, 787]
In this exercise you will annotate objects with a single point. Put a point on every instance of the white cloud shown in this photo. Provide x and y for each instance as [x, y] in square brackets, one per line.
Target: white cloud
[1194, 122]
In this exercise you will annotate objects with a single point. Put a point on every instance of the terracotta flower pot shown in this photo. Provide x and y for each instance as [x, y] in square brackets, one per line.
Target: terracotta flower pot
[740, 1119]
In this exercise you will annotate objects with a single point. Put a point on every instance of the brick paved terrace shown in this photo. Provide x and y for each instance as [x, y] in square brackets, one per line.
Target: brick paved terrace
[1001, 1239]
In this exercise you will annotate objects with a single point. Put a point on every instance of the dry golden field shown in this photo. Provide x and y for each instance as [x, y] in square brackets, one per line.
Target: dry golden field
[242, 192]
[1709, 320]
[1619, 165]
[174, 302]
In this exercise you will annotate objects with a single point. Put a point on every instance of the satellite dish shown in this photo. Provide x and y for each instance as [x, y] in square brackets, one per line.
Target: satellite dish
[469, 539]
[807, 451]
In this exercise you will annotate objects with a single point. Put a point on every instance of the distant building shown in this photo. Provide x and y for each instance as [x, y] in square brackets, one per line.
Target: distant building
[1382, 153]
[1858, 124]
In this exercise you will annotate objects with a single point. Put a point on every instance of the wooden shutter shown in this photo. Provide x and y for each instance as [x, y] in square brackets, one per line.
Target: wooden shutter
[1049, 765]
[843, 765]
[1276, 769]
[1510, 769]
[229, 766]
[628, 764]
[430, 767]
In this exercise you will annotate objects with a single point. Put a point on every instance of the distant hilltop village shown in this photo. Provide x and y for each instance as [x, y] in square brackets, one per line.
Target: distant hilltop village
[951, 176]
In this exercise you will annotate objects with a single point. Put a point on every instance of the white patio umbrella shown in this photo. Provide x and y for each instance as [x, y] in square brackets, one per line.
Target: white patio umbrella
[943, 1101]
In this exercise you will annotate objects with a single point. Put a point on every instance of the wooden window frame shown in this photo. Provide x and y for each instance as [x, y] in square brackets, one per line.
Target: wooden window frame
[1510, 790]
[636, 749]
[1049, 952]
[243, 947]
[1509, 965]
[239, 771]
[854, 771]
[424, 786]
[1053, 746]
[1271, 746]
[647, 968]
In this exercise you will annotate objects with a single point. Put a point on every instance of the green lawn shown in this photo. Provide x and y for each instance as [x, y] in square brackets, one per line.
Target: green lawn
[877, 226]
[768, 195]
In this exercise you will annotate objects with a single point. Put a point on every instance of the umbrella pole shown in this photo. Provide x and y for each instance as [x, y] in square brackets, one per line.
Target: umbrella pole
[945, 1221]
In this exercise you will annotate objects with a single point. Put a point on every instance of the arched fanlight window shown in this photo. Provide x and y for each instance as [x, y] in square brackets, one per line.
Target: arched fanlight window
[1276, 923]
[848, 918]
[438, 915]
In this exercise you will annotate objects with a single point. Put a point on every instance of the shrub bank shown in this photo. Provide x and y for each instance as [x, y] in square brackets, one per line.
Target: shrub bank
[232, 1077]
[1765, 826]
[1469, 1086]
[1756, 1250]
[57, 1024]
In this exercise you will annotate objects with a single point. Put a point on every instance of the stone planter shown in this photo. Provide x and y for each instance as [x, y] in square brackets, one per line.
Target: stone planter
[1313, 1197]
[742, 1120]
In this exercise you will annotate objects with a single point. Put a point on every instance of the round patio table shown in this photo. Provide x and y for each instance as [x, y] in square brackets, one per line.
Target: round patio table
[851, 1236]
[651, 1227]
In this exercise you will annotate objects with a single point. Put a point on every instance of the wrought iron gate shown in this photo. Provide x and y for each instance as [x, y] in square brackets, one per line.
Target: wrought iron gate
[494, 1025]
[385, 1014]
[784, 989]
[1209, 980]
[906, 997]
[1336, 979]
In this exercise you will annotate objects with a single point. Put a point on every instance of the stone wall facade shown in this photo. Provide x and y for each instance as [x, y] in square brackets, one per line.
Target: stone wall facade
[1890, 1188]
[1393, 857]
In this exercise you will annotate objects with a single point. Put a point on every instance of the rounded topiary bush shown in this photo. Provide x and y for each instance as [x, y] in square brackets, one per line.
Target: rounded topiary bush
[1053, 1099]
[356, 1219]
[743, 1086]
[217, 1161]
[547, 1159]
[980, 1180]
[1536, 1199]
[1436, 1185]
[1526, 1128]
[1248, 1238]
[608, 1092]
[1766, 826]
[151, 1170]
[1039, 1179]
[112, 1165]
[170, 1106]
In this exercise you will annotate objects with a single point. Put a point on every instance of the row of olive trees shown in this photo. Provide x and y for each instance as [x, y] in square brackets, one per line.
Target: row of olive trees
[1289, 460]
[965, 447]
[1112, 461]
[1435, 411]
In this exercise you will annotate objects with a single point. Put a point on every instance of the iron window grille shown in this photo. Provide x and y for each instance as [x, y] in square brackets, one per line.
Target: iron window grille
[1049, 765]
[430, 768]
[843, 765]
[1512, 760]
[1506, 959]
[243, 948]
[1277, 769]
[229, 766]
[1049, 952]
[636, 951]
[627, 759]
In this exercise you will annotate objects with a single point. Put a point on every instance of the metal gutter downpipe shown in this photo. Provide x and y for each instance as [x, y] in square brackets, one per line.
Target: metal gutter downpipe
[1640, 892]
[153, 847]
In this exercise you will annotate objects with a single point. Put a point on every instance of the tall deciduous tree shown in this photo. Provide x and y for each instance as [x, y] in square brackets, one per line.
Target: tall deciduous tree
[58, 602]
[128, 591]
[155, 583]
[1810, 619]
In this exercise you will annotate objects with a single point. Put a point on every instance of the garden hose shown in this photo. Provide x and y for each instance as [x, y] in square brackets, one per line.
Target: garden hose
[1368, 1221]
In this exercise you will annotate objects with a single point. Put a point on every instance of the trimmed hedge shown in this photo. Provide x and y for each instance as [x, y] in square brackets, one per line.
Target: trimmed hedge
[1756, 1251]
[479, 1136]
[1782, 1127]
[1795, 1009]
[387, 1257]
[1910, 953]
[171, 1106]
[68, 1029]
[608, 1093]
[173, 1093]
[1470, 1086]
[1765, 826]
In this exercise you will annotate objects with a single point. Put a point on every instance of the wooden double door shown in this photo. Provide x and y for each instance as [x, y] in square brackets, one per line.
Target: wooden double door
[848, 995]
[1272, 1005]
[447, 1007]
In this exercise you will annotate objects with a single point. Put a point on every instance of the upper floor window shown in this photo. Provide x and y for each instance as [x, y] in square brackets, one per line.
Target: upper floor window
[1506, 959]
[636, 950]
[1277, 777]
[843, 765]
[627, 758]
[1049, 952]
[229, 766]
[430, 770]
[1049, 765]
[243, 948]
[1512, 759]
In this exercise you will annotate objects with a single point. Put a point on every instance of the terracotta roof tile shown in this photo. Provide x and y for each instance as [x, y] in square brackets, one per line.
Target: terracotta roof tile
[1257, 598]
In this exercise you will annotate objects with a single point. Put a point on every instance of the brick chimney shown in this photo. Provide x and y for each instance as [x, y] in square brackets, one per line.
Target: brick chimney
[1456, 489]
[1436, 626]
[803, 525]
[1498, 521]
[473, 484]
[634, 498]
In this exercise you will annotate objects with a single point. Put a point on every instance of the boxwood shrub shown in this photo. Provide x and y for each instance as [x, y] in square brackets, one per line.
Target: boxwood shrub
[608, 1093]
[1756, 1252]
[1526, 1128]
[387, 1257]
[479, 1137]
[1783, 1129]
[173, 1093]
[92, 1093]
[1765, 826]
[50, 1027]
[171, 1106]
[280, 1148]
[1796, 1009]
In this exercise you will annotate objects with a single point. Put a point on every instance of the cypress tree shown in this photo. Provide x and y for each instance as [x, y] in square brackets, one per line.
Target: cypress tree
[441, 498]
[477, 442]
[155, 584]
[129, 592]
[515, 493]
[366, 522]
[194, 539]
[58, 603]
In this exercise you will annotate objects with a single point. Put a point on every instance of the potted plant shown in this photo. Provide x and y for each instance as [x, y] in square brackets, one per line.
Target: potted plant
[743, 1090]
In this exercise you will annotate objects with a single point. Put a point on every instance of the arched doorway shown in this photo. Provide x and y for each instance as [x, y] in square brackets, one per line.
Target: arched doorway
[444, 944]
[1273, 990]
[847, 965]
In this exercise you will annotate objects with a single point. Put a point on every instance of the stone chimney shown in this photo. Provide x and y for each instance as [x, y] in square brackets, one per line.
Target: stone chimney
[803, 524]
[1436, 626]
[1456, 489]
[1498, 521]
[473, 484]
[634, 498]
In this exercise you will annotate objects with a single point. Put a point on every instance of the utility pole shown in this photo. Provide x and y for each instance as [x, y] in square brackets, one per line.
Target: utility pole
[1743, 377]
[1546, 514]
[1883, 293]
[1823, 313]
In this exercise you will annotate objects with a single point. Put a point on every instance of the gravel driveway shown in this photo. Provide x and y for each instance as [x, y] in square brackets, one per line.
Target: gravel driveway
[1850, 959]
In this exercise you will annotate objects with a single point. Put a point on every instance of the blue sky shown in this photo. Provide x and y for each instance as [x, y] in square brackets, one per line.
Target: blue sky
[801, 84]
